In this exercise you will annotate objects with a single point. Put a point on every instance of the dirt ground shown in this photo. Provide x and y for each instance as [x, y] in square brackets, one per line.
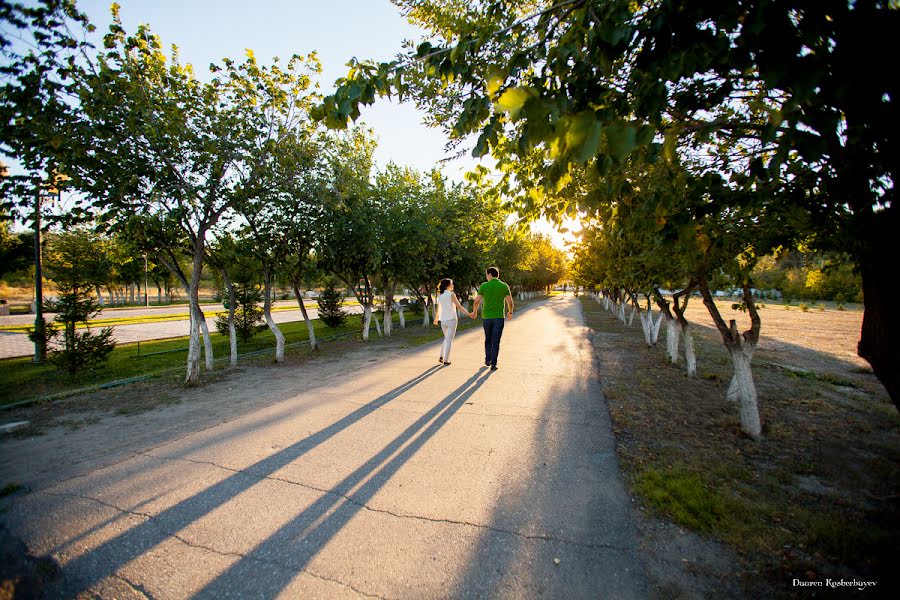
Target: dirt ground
[817, 498]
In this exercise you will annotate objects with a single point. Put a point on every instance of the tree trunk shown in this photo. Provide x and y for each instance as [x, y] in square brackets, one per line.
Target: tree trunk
[378, 327]
[193, 360]
[400, 310]
[207, 341]
[647, 326]
[232, 305]
[367, 321]
[425, 302]
[689, 357]
[100, 299]
[631, 316]
[309, 324]
[158, 295]
[131, 292]
[267, 311]
[673, 339]
[741, 348]
[746, 390]
[881, 323]
[656, 327]
[388, 306]
[679, 305]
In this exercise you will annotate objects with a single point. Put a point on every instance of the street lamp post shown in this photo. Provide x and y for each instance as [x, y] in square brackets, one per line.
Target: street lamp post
[146, 280]
[40, 339]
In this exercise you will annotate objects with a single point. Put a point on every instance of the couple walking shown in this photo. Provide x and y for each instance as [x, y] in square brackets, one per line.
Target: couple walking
[493, 296]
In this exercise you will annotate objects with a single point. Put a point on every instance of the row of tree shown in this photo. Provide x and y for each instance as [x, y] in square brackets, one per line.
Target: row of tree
[231, 174]
[698, 135]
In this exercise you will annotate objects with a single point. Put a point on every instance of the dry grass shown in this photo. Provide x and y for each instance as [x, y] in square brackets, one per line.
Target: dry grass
[817, 498]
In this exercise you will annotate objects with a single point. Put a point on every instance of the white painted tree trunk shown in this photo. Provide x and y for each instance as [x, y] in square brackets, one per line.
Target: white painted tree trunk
[100, 299]
[267, 311]
[425, 316]
[656, 326]
[622, 312]
[232, 341]
[647, 327]
[689, 357]
[605, 302]
[378, 327]
[746, 390]
[367, 320]
[400, 310]
[733, 393]
[131, 292]
[309, 324]
[631, 316]
[207, 343]
[193, 360]
[673, 335]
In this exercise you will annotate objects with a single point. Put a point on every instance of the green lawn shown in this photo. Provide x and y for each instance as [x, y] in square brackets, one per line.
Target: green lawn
[20, 379]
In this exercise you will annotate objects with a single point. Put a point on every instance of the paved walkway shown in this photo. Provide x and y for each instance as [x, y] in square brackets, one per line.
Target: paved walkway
[14, 343]
[396, 478]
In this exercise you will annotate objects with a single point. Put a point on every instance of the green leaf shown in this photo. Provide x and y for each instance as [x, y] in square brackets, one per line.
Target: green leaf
[620, 139]
[494, 81]
[583, 135]
[513, 99]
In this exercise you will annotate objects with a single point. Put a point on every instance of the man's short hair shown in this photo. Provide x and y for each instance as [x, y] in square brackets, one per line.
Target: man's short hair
[493, 271]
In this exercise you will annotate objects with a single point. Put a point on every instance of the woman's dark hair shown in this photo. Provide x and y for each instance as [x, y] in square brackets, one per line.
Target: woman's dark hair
[494, 271]
[443, 285]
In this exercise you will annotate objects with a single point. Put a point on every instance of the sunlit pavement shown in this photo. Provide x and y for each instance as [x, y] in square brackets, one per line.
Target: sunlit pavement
[401, 479]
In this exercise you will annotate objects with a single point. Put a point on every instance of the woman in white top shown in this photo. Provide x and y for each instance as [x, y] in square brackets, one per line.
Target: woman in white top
[445, 312]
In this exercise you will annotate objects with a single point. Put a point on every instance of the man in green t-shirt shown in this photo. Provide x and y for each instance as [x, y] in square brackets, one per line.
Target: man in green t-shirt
[495, 297]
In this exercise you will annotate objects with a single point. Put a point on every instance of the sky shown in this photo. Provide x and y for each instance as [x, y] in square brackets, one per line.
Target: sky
[206, 31]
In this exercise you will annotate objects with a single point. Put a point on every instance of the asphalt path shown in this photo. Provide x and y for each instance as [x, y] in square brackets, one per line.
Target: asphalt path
[14, 343]
[392, 477]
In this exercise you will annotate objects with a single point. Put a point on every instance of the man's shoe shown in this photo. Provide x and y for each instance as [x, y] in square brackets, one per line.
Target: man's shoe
[487, 363]
[441, 359]
[446, 363]
[493, 367]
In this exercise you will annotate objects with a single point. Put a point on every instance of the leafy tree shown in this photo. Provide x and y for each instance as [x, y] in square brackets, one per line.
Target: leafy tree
[348, 238]
[781, 100]
[178, 153]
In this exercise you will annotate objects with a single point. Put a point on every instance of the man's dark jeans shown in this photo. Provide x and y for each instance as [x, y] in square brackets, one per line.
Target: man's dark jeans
[493, 331]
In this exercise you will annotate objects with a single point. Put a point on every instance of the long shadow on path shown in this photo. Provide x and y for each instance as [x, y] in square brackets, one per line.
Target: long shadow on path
[294, 545]
[104, 560]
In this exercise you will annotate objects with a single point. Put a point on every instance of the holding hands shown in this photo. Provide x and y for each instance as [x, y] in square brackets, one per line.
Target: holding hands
[471, 315]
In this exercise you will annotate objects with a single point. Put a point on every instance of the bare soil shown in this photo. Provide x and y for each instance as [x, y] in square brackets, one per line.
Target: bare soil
[817, 498]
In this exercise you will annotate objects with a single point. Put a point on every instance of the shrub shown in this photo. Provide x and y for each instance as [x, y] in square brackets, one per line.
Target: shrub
[247, 314]
[330, 302]
[79, 350]
[804, 307]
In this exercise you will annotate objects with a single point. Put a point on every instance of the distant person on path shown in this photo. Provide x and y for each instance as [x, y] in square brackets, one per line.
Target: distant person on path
[445, 312]
[495, 296]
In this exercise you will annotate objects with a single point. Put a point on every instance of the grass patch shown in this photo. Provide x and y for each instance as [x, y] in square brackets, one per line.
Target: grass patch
[21, 379]
[681, 495]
